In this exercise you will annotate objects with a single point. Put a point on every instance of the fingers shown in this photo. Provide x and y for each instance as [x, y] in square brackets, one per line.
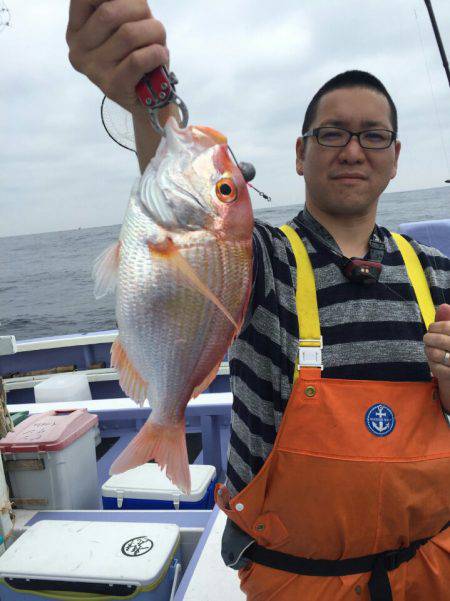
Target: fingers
[134, 36]
[440, 371]
[440, 327]
[443, 312]
[108, 19]
[436, 355]
[438, 368]
[127, 74]
[438, 341]
[114, 43]
[79, 13]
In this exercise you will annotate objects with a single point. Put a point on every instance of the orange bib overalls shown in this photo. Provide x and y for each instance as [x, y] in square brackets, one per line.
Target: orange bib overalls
[358, 468]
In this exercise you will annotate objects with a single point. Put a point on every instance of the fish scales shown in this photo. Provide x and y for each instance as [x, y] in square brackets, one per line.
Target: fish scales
[178, 319]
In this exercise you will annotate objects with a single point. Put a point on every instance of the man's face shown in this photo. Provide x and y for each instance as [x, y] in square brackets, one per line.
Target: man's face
[355, 109]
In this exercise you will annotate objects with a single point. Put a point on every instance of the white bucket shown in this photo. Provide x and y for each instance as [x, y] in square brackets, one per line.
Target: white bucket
[63, 387]
[5, 520]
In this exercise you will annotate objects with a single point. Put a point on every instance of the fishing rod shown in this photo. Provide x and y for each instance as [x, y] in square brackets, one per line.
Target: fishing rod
[438, 39]
[440, 45]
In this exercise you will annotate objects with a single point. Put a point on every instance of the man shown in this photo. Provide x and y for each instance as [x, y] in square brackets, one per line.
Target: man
[331, 471]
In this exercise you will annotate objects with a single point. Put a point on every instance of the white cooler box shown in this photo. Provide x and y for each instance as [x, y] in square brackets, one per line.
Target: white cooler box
[147, 487]
[91, 560]
[51, 463]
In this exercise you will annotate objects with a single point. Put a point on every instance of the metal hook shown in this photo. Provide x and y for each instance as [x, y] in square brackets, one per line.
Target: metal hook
[156, 90]
[154, 118]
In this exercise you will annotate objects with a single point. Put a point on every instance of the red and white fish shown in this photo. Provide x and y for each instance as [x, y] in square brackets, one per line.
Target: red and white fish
[182, 268]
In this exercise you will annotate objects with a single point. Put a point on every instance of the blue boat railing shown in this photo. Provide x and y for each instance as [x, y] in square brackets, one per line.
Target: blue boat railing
[75, 352]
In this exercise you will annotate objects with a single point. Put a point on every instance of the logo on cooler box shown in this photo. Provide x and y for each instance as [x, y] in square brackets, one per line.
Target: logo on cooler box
[140, 545]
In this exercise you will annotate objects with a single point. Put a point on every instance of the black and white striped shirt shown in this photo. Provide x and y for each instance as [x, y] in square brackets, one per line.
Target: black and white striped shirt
[369, 332]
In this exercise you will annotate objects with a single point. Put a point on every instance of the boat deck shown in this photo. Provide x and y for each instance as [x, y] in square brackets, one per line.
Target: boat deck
[209, 574]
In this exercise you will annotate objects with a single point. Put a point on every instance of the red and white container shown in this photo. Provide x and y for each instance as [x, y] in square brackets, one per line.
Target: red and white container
[51, 463]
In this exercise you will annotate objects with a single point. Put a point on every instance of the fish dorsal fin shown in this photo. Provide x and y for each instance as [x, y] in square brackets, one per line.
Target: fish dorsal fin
[105, 269]
[169, 251]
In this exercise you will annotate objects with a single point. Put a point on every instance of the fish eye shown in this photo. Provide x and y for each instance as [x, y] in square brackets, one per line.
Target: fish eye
[226, 190]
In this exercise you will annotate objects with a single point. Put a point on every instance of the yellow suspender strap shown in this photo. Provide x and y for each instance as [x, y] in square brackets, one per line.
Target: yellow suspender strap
[305, 295]
[417, 278]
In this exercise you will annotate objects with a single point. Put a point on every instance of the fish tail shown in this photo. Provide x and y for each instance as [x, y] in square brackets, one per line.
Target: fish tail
[166, 445]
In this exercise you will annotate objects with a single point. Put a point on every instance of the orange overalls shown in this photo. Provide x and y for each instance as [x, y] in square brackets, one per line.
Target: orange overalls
[358, 468]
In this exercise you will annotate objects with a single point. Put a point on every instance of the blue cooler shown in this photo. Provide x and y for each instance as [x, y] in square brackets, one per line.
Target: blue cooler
[147, 487]
[91, 561]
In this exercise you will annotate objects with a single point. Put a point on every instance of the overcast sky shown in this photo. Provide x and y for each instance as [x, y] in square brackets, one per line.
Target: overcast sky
[247, 68]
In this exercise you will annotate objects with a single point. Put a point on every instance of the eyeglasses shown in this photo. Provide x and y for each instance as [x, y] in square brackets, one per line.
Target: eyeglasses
[373, 139]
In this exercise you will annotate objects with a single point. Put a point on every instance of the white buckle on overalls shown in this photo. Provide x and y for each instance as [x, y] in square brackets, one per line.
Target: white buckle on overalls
[310, 356]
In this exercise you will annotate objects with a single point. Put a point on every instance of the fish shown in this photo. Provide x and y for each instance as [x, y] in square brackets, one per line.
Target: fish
[182, 274]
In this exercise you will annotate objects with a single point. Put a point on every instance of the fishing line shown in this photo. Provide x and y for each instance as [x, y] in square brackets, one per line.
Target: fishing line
[232, 154]
[439, 127]
[107, 130]
[240, 166]
[432, 94]
[266, 196]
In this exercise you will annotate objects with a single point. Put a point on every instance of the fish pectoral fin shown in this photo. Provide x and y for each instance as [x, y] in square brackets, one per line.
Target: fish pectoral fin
[168, 250]
[207, 381]
[104, 271]
[130, 380]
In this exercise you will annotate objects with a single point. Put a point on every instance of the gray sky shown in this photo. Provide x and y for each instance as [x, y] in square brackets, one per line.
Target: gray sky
[247, 68]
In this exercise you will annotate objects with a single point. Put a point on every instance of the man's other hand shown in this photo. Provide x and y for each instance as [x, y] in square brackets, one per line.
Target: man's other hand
[437, 350]
[114, 43]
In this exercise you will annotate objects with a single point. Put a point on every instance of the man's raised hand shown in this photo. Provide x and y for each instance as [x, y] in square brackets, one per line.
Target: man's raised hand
[114, 43]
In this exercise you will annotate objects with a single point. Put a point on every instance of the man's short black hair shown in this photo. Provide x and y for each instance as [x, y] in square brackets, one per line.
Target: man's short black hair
[349, 79]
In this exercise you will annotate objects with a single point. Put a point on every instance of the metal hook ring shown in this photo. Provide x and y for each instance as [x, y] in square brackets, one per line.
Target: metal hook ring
[183, 110]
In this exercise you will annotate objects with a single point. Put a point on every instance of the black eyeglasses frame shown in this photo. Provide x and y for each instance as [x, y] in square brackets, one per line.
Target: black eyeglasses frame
[316, 131]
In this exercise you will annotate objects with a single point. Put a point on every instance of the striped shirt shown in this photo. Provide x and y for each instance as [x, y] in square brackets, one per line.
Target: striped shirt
[369, 332]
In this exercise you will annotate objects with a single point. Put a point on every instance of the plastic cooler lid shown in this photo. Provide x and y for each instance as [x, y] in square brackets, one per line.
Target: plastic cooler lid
[149, 482]
[50, 431]
[132, 553]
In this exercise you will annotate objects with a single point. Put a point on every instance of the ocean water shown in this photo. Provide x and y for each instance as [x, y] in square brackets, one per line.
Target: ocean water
[45, 279]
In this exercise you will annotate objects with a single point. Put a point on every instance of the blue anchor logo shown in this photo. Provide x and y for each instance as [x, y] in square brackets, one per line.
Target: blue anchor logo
[380, 420]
